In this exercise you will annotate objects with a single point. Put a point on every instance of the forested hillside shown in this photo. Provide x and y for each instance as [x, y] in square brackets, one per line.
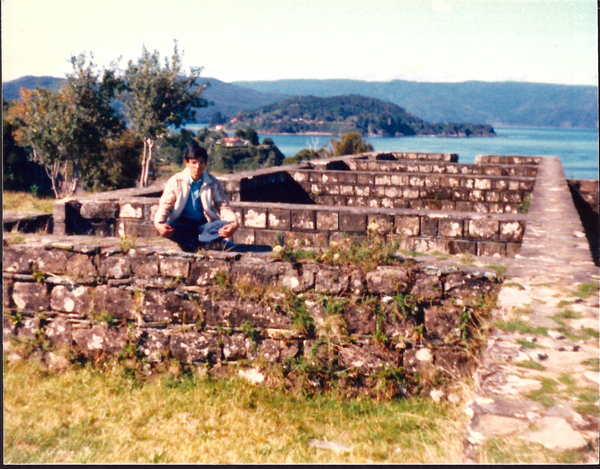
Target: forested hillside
[340, 114]
[226, 99]
[494, 103]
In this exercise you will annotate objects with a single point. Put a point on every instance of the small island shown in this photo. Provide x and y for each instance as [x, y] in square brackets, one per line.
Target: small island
[310, 115]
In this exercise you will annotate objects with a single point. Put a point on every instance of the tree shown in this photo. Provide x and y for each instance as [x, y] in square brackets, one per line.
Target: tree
[155, 98]
[351, 143]
[68, 127]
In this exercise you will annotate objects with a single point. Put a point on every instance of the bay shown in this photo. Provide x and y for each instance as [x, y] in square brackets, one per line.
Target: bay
[577, 148]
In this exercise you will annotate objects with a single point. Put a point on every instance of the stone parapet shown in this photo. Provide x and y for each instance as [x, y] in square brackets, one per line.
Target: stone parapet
[94, 301]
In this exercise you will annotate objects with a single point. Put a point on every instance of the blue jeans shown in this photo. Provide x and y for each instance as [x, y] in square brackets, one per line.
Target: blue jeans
[186, 233]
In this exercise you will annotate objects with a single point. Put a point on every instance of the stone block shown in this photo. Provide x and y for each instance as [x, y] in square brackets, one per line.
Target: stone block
[442, 321]
[352, 222]
[195, 347]
[71, 299]
[383, 180]
[481, 207]
[116, 267]
[303, 220]
[464, 206]
[365, 179]
[59, 332]
[174, 267]
[431, 204]
[477, 195]
[265, 238]
[462, 247]
[429, 226]
[118, 302]
[16, 261]
[418, 360]
[225, 313]
[365, 359]
[131, 210]
[384, 223]
[81, 267]
[299, 279]
[408, 225]
[483, 183]
[98, 209]
[388, 280]
[451, 228]
[426, 288]
[461, 194]
[327, 221]
[255, 218]
[409, 193]
[244, 236]
[491, 249]
[30, 296]
[483, 228]
[280, 220]
[512, 249]
[333, 281]
[512, 197]
[51, 262]
[145, 268]
[493, 196]
[154, 344]
[512, 231]
[235, 347]
[29, 328]
[203, 272]
[416, 181]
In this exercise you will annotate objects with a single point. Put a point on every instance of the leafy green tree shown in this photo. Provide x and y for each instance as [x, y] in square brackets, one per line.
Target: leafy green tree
[156, 98]
[68, 128]
[351, 143]
[252, 136]
[218, 118]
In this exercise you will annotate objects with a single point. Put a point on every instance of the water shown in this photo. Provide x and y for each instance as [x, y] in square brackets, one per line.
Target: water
[577, 148]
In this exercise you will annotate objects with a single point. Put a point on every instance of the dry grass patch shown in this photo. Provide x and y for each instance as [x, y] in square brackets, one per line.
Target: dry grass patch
[91, 416]
[25, 202]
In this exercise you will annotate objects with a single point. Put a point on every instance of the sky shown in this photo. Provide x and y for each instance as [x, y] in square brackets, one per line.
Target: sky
[542, 41]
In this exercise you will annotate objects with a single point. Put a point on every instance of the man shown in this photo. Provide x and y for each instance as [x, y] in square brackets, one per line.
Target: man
[194, 209]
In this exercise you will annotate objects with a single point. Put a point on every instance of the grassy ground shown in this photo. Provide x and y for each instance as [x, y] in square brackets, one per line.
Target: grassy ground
[91, 416]
[25, 202]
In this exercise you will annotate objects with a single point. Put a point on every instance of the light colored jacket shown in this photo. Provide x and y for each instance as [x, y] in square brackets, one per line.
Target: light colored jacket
[176, 193]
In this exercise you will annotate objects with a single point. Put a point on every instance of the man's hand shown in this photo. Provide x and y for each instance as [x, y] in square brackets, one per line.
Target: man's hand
[228, 230]
[166, 231]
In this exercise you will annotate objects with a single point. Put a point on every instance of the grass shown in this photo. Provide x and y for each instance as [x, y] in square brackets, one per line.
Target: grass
[499, 269]
[530, 364]
[585, 290]
[527, 344]
[106, 416]
[26, 202]
[518, 325]
[512, 450]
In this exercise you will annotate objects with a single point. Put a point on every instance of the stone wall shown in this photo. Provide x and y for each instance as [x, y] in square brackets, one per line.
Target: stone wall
[427, 199]
[587, 203]
[91, 301]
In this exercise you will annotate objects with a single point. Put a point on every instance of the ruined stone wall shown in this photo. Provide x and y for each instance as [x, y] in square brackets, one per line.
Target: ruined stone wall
[428, 200]
[91, 301]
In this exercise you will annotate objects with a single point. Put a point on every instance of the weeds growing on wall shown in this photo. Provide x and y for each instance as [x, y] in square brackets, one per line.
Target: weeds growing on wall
[367, 254]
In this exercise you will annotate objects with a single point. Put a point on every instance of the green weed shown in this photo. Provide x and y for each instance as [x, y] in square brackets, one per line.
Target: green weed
[518, 325]
[530, 364]
[585, 290]
[527, 344]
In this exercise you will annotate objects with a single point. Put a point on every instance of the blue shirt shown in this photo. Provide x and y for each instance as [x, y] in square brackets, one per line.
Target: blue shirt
[193, 207]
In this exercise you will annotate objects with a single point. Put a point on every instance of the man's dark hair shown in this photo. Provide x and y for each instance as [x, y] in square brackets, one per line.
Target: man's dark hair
[195, 151]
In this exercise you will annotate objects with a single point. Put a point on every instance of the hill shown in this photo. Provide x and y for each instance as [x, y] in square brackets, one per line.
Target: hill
[227, 99]
[340, 114]
[493, 103]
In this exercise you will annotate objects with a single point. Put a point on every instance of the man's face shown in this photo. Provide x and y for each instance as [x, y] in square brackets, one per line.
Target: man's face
[196, 167]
